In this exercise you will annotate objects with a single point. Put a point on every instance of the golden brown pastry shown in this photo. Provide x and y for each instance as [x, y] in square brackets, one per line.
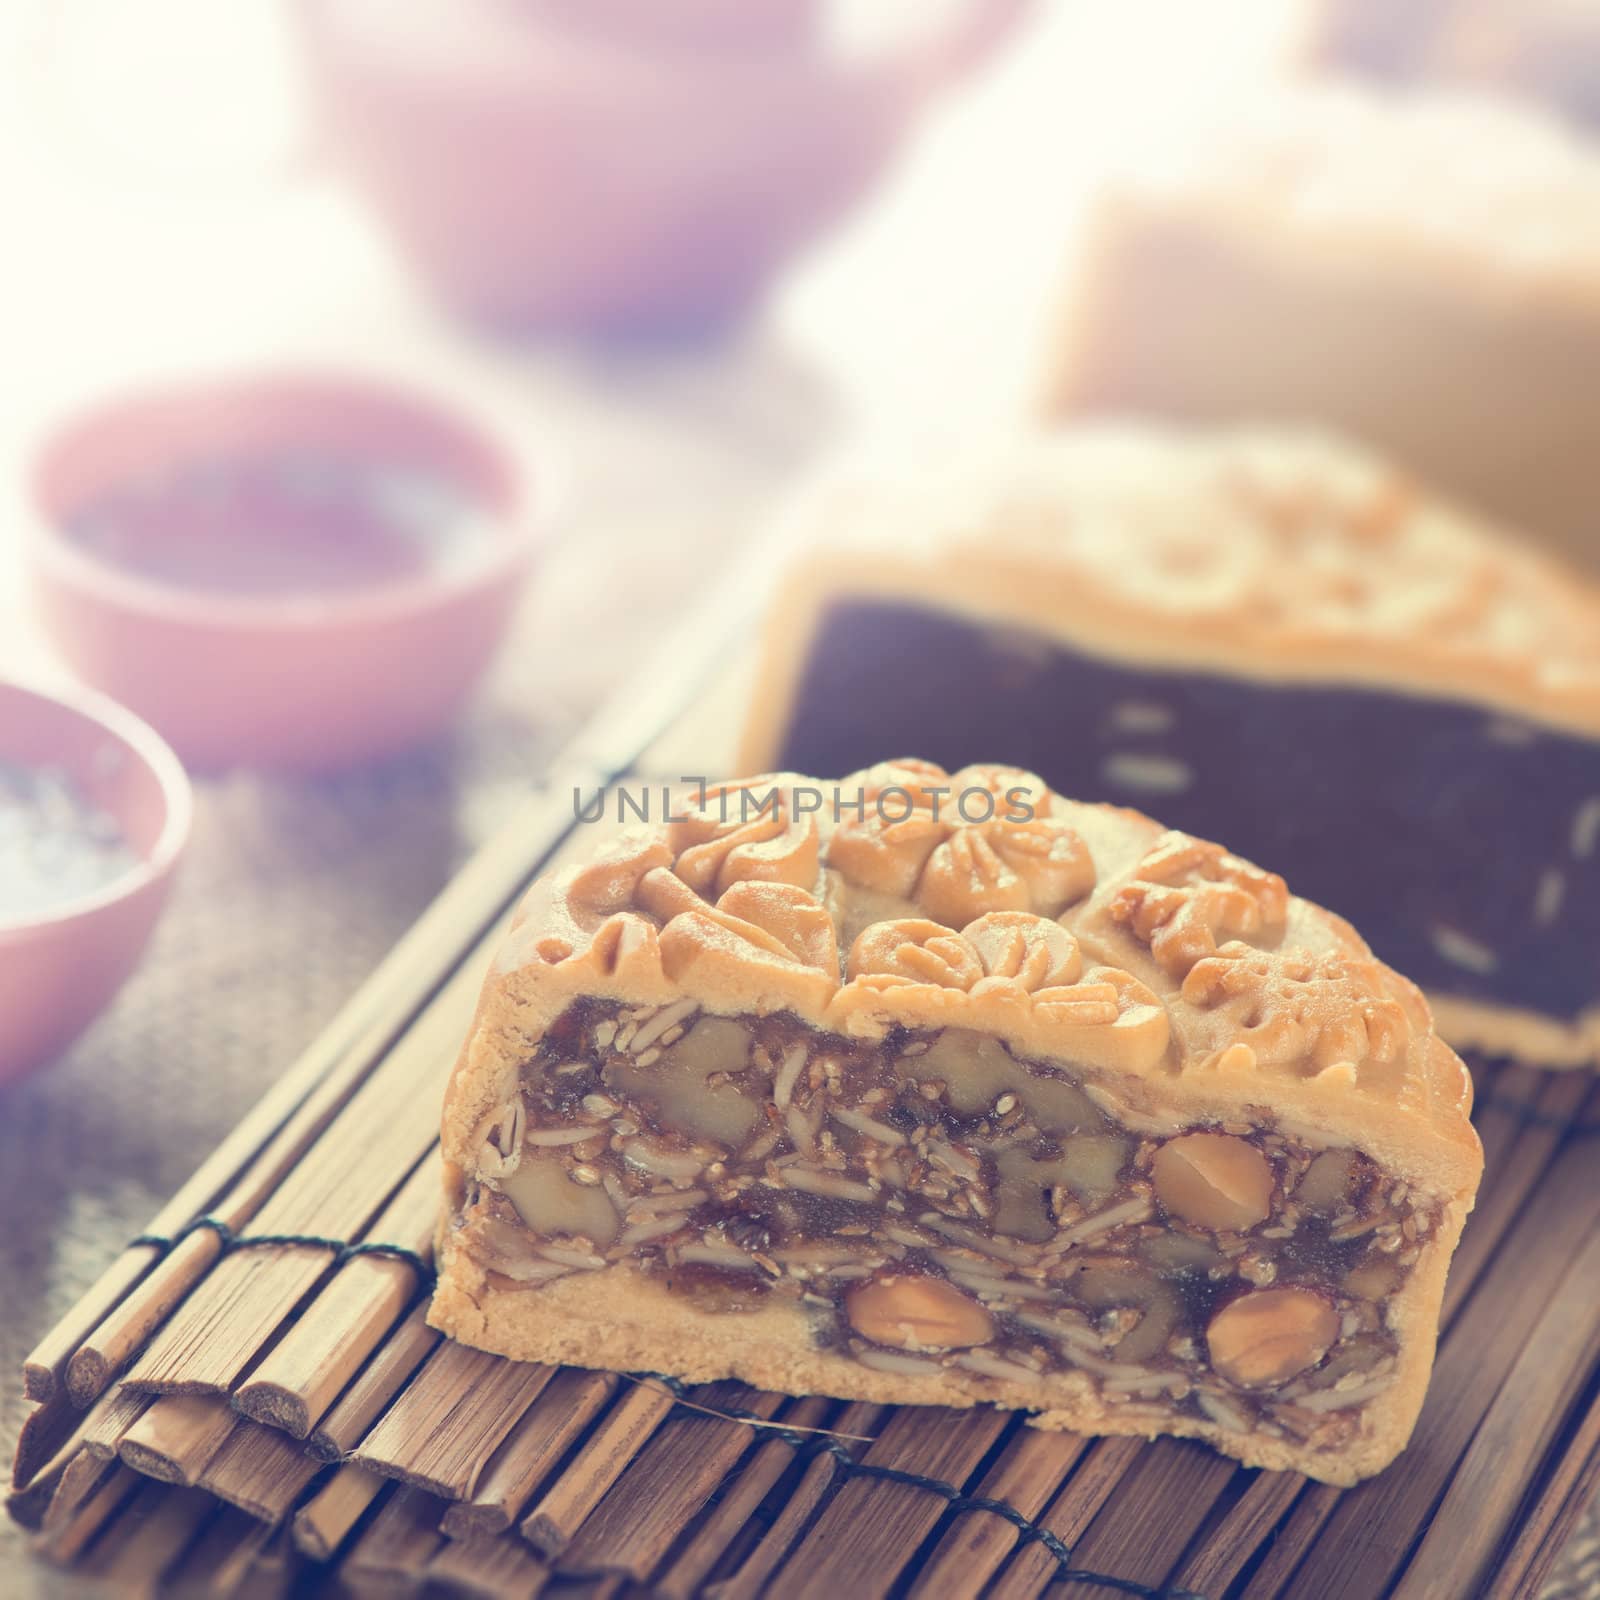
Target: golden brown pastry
[939, 1088]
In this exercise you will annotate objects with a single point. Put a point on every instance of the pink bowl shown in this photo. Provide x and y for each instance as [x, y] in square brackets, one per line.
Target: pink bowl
[619, 168]
[302, 682]
[59, 971]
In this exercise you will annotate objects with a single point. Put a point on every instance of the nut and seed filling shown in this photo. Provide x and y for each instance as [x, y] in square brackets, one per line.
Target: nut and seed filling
[934, 1202]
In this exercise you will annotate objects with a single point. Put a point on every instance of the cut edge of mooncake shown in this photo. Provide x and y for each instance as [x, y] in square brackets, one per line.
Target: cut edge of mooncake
[1280, 555]
[1054, 1110]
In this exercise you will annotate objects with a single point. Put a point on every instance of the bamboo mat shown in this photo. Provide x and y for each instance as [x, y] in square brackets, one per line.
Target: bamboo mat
[249, 1402]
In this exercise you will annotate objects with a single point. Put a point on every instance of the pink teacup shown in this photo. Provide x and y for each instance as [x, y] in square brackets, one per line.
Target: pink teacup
[60, 967]
[198, 619]
[627, 167]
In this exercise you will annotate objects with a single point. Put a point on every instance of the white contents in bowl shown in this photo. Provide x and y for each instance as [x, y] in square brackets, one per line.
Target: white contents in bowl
[55, 846]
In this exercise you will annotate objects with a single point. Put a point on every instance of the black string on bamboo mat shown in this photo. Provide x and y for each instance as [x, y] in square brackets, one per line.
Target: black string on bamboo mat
[1028, 1530]
[342, 1251]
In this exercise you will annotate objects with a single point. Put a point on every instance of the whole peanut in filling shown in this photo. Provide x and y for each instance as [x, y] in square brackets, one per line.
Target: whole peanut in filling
[932, 1201]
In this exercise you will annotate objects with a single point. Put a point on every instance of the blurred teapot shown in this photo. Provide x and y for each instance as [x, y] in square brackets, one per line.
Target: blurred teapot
[615, 166]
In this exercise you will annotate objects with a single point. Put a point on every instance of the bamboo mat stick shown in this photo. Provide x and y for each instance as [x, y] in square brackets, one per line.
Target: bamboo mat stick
[750, 1578]
[608, 1588]
[372, 1147]
[397, 1545]
[97, 1430]
[260, 1471]
[218, 1564]
[1569, 1491]
[218, 1331]
[555, 1517]
[103, 1352]
[323, 1349]
[107, 1350]
[149, 1535]
[1028, 1474]
[84, 1474]
[44, 1371]
[488, 1569]
[28, 1502]
[1511, 1178]
[872, 1527]
[1291, 1542]
[343, 1182]
[1246, 1525]
[46, 1366]
[177, 1436]
[1371, 1527]
[278, 1571]
[1525, 1420]
[447, 1423]
[695, 656]
[737, 1506]
[325, 1521]
[547, 1430]
[376, 1385]
[65, 1543]
[1099, 1473]
[1499, 1092]
[26, 1506]
[46, 1430]
[1160, 1505]
[680, 1467]
[308, 1097]
[110, 1418]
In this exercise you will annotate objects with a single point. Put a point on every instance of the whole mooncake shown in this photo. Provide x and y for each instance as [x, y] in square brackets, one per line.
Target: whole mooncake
[940, 1088]
[1266, 635]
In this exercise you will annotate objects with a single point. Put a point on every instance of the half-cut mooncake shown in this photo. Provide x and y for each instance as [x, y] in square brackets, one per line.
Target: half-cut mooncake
[1416, 271]
[938, 1088]
[1269, 637]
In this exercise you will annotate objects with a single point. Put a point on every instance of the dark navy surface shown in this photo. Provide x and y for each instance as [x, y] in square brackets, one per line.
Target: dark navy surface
[1407, 815]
